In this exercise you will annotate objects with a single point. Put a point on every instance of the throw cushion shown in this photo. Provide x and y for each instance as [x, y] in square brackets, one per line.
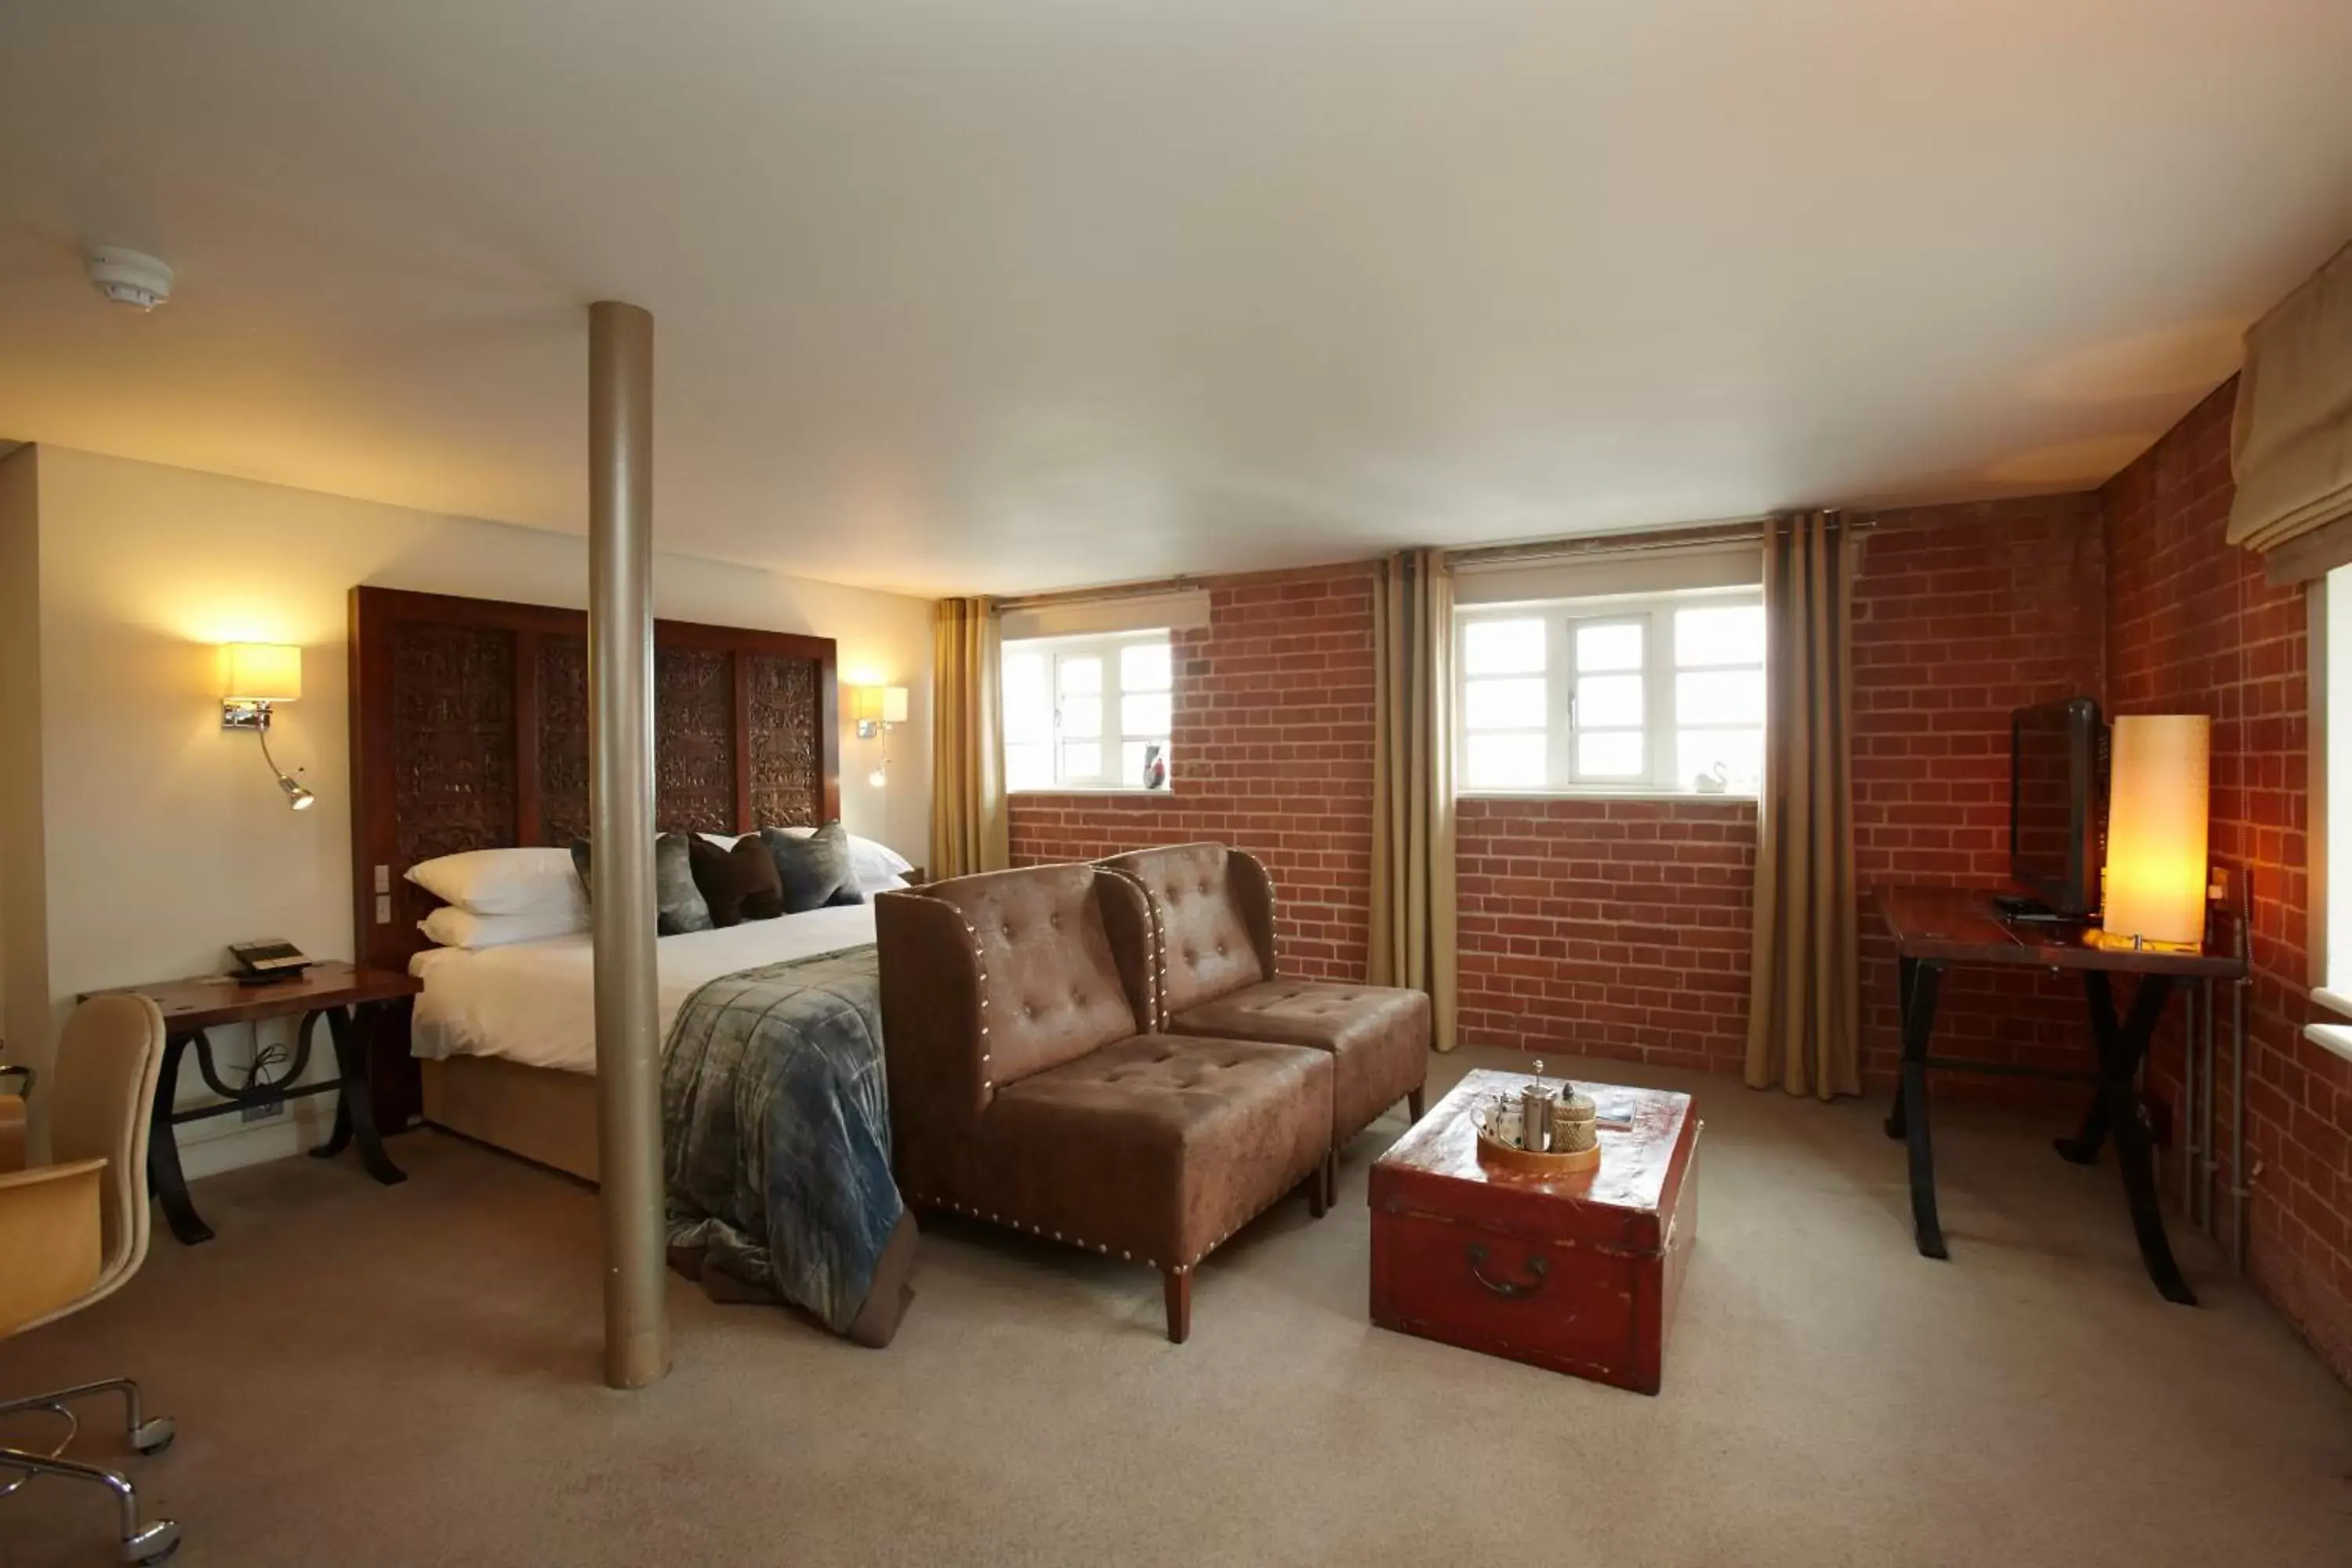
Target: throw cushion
[814, 871]
[737, 879]
[678, 906]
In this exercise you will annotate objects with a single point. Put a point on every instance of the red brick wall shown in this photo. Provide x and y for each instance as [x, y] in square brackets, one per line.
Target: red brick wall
[2191, 627]
[1271, 751]
[1615, 929]
[1961, 615]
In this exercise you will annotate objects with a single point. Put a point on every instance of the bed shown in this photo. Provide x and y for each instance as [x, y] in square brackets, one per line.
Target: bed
[506, 1037]
[470, 731]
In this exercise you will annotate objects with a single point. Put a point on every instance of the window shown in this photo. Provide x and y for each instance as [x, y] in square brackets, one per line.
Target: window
[1090, 713]
[2330, 841]
[1661, 694]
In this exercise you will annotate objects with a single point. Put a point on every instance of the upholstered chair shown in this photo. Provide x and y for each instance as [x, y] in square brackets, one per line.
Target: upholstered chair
[1213, 912]
[1028, 1088]
[73, 1231]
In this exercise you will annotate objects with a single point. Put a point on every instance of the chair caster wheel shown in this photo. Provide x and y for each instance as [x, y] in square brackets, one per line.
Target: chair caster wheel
[153, 1543]
[154, 1436]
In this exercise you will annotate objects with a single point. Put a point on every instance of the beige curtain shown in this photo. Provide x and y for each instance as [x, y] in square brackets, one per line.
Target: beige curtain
[968, 832]
[1803, 991]
[1413, 930]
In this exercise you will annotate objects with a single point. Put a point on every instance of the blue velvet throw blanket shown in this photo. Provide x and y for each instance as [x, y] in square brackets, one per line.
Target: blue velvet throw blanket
[776, 1130]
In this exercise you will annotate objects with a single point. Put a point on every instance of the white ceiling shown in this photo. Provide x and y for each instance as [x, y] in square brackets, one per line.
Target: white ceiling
[1011, 294]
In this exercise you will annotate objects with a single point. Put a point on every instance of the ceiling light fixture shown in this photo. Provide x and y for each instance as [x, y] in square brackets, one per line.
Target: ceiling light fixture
[129, 278]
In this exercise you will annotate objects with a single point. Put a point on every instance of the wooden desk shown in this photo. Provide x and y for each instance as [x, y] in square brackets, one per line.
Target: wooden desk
[349, 999]
[1935, 928]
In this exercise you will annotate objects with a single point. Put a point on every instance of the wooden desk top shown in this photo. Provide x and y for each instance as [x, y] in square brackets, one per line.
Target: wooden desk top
[1955, 925]
[211, 1001]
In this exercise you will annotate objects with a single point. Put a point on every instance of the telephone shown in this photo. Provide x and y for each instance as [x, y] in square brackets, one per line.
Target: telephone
[267, 959]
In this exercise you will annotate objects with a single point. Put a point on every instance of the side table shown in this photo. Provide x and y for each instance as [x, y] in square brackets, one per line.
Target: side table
[349, 998]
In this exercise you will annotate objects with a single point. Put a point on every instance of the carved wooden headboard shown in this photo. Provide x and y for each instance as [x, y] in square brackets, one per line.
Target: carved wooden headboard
[469, 730]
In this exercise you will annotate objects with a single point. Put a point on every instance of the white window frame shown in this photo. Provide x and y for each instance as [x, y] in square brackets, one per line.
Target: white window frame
[2329, 830]
[1112, 741]
[1655, 613]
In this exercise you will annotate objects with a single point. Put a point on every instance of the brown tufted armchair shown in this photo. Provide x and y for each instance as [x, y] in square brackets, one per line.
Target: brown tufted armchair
[1028, 1089]
[1214, 908]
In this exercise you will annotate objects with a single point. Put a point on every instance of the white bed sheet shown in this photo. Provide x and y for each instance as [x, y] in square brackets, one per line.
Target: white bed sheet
[535, 1001]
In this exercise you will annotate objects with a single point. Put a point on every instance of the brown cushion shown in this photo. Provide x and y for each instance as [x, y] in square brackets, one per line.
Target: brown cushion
[1050, 988]
[1378, 1036]
[1154, 1148]
[739, 883]
[1203, 932]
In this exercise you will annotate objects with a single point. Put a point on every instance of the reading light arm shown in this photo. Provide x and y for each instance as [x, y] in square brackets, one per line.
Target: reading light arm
[297, 797]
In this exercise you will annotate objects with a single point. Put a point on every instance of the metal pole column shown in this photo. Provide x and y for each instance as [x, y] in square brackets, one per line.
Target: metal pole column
[621, 813]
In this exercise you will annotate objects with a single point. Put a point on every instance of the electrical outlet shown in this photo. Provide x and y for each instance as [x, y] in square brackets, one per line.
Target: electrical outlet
[262, 1112]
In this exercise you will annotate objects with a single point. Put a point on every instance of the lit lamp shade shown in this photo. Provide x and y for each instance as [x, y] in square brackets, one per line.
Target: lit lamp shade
[2156, 827]
[260, 672]
[878, 704]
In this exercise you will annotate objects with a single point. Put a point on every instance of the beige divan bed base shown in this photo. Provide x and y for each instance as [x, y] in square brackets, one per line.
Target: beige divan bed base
[544, 1114]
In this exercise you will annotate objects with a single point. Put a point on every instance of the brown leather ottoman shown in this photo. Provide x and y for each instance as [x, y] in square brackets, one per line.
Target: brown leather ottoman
[1157, 1149]
[1377, 1038]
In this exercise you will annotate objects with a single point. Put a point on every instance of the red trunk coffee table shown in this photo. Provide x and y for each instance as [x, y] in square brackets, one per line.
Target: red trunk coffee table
[1576, 1274]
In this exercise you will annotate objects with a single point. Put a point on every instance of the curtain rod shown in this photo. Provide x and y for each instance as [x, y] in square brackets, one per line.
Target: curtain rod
[1657, 539]
[1199, 583]
[1746, 530]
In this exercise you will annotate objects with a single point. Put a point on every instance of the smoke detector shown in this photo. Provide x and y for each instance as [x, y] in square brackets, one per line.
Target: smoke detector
[130, 277]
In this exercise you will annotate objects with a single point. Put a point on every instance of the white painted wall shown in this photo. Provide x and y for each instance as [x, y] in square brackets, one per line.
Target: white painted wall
[165, 838]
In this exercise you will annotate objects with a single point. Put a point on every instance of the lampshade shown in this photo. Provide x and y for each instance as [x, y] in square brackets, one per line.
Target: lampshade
[2156, 827]
[260, 672]
[884, 704]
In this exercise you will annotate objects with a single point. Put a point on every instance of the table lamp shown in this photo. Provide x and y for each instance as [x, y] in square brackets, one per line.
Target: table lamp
[2160, 776]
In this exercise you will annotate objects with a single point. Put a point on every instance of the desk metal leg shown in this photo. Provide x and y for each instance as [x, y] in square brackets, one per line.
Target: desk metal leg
[354, 1111]
[339, 1137]
[163, 1172]
[2083, 1149]
[2121, 1049]
[1921, 980]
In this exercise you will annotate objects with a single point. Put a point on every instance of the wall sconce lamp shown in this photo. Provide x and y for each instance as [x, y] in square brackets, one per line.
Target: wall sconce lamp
[254, 676]
[875, 708]
[2157, 873]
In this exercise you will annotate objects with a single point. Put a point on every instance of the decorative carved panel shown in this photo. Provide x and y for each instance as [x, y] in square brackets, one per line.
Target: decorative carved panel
[694, 739]
[453, 731]
[460, 706]
[787, 777]
[563, 739]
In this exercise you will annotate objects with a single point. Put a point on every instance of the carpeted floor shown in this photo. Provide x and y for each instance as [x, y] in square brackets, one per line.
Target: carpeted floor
[410, 1376]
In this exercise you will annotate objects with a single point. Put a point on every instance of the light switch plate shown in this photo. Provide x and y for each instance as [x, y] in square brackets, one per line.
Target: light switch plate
[383, 909]
[384, 878]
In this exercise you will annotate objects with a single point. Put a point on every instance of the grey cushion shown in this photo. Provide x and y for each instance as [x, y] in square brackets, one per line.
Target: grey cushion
[677, 901]
[813, 871]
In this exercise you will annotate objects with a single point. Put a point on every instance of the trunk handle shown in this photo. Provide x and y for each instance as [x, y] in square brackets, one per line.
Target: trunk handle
[1509, 1289]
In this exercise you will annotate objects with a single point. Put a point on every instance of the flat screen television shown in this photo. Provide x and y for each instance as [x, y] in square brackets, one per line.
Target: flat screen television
[2057, 799]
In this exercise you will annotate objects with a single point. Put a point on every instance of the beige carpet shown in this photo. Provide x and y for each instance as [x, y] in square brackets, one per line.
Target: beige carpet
[408, 1376]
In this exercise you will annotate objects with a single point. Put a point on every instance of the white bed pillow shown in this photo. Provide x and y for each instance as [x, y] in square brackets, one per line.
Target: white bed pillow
[453, 927]
[875, 867]
[501, 881]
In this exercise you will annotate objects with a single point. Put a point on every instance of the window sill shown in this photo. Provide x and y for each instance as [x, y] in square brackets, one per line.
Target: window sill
[1092, 790]
[2335, 1037]
[1606, 794]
